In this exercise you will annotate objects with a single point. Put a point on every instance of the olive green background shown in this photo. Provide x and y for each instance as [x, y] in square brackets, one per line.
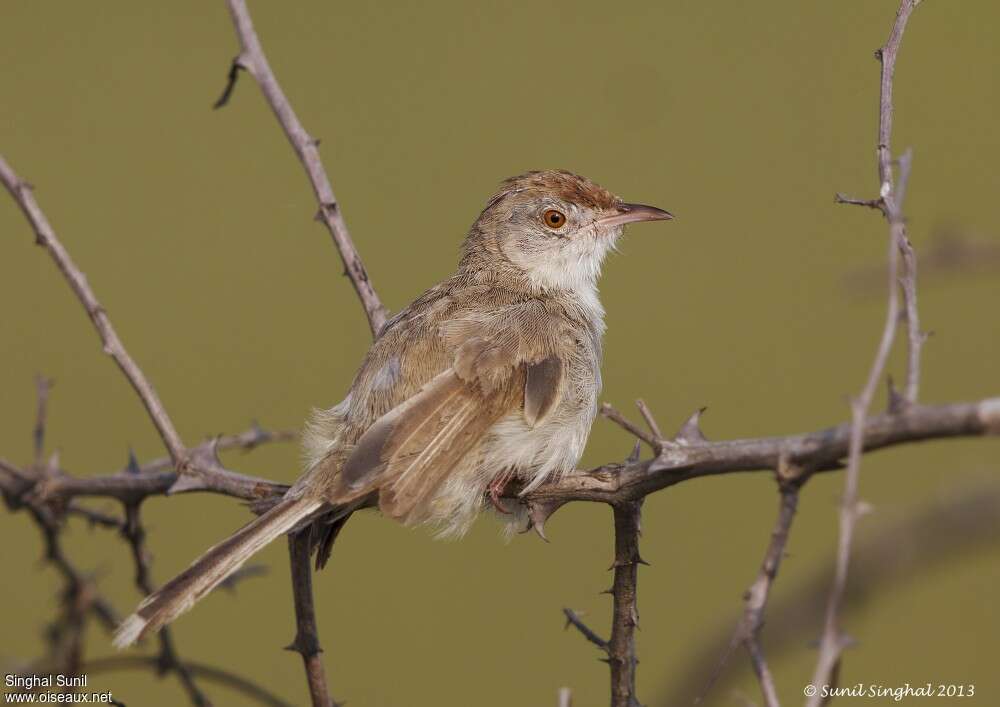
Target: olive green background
[195, 229]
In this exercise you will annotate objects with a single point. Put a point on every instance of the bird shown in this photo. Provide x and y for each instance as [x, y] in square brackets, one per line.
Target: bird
[490, 377]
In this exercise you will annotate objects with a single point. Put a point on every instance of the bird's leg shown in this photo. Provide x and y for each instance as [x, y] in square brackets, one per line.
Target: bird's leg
[496, 488]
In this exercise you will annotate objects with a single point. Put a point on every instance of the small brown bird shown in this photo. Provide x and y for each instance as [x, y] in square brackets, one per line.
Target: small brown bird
[490, 376]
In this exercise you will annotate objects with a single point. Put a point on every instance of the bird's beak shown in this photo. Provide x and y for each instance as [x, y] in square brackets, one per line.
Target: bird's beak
[633, 213]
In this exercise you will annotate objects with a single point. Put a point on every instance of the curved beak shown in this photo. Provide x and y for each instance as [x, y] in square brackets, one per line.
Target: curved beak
[633, 213]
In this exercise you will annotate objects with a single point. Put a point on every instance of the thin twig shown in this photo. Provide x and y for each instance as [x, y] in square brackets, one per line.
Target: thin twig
[755, 598]
[611, 413]
[306, 641]
[42, 387]
[80, 596]
[45, 236]
[908, 282]
[77, 584]
[833, 641]
[854, 201]
[959, 526]
[574, 620]
[156, 477]
[168, 660]
[759, 592]
[253, 60]
[94, 517]
[199, 467]
[208, 672]
[650, 419]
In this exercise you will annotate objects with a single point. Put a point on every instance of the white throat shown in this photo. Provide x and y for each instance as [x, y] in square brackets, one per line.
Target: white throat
[574, 269]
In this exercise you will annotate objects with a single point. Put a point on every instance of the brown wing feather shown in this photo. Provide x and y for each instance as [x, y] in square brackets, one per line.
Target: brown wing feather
[542, 388]
[420, 464]
[374, 450]
[408, 452]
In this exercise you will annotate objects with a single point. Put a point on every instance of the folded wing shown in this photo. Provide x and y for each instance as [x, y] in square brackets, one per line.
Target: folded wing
[409, 452]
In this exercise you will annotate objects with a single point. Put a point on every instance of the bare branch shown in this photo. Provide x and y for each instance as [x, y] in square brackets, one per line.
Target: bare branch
[80, 597]
[574, 620]
[306, 641]
[201, 670]
[22, 488]
[869, 203]
[833, 641]
[757, 595]
[650, 419]
[42, 386]
[620, 648]
[625, 614]
[817, 451]
[44, 236]
[254, 62]
[610, 412]
[168, 660]
[50, 494]
[957, 526]
[908, 283]
[755, 598]
[157, 478]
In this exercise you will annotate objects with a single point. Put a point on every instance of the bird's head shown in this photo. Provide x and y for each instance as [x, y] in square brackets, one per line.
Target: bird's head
[554, 225]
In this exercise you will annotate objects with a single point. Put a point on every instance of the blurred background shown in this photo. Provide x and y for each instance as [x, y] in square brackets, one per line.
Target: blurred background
[763, 301]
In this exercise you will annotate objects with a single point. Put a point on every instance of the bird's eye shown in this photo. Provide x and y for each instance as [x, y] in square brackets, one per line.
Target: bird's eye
[554, 219]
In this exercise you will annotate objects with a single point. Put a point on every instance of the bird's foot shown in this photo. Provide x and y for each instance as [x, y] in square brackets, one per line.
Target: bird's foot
[496, 488]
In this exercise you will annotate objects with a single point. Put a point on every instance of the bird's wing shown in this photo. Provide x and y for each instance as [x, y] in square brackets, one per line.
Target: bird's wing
[542, 388]
[408, 452]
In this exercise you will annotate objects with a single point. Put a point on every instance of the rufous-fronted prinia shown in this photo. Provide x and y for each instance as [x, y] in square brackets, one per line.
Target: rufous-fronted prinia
[488, 377]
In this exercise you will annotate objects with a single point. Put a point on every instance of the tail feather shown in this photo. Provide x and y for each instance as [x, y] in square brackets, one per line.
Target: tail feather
[180, 594]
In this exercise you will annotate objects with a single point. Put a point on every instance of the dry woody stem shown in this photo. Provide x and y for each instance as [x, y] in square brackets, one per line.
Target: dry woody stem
[833, 639]
[252, 60]
[50, 494]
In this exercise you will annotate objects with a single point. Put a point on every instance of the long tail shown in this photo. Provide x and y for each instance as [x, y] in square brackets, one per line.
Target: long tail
[180, 594]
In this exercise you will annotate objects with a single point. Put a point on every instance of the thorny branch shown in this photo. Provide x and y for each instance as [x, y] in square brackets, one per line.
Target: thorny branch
[956, 525]
[81, 598]
[306, 642]
[819, 451]
[757, 595]
[21, 191]
[49, 493]
[574, 620]
[747, 633]
[833, 640]
[625, 612]
[167, 660]
[619, 650]
[199, 468]
[252, 60]
[208, 673]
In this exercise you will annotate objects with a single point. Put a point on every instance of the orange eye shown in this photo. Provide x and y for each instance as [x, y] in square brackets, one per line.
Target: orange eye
[554, 219]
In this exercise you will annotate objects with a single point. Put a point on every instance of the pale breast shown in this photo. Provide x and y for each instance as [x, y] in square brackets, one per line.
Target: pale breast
[554, 446]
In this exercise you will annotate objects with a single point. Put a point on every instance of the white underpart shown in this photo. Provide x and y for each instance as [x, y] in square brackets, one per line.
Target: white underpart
[546, 451]
[322, 433]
